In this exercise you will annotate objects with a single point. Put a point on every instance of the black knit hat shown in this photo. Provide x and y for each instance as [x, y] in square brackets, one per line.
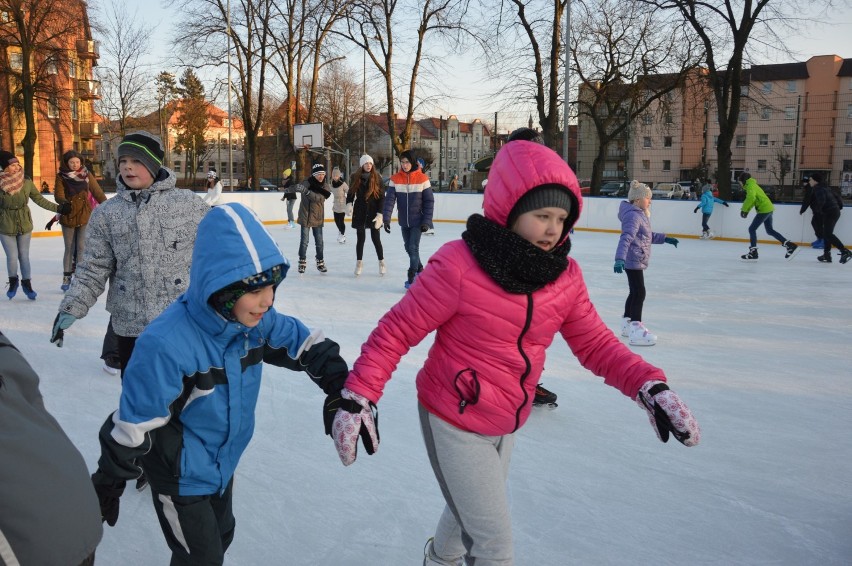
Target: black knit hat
[542, 196]
[526, 134]
[817, 177]
[6, 159]
[411, 157]
[317, 169]
[145, 147]
[224, 299]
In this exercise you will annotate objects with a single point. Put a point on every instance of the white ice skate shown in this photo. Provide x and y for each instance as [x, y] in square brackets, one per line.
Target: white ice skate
[359, 267]
[625, 327]
[383, 268]
[639, 335]
[341, 239]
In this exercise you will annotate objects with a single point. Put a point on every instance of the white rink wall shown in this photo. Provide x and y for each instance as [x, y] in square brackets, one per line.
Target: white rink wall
[599, 213]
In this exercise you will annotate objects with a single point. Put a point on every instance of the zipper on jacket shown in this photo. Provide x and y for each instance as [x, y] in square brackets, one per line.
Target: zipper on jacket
[527, 365]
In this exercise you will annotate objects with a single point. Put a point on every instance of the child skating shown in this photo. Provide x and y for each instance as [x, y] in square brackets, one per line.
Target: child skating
[706, 206]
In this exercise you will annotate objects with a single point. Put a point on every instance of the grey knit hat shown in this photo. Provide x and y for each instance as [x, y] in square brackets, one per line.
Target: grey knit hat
[145, 147]
[542, 196]
[638, 190]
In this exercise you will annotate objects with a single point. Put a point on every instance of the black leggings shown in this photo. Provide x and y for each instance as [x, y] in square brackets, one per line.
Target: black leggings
[338, 221]
[829, 221]
[636, 298]
[361, 236]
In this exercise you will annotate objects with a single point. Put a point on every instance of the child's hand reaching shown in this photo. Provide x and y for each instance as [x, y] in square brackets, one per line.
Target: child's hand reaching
[672, 241]
[619, 266]
[668, 414]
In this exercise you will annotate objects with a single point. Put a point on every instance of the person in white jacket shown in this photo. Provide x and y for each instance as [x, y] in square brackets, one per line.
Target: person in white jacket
[214, 188]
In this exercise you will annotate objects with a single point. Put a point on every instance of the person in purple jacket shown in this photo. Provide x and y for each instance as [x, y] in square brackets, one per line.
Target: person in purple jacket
[631, 257]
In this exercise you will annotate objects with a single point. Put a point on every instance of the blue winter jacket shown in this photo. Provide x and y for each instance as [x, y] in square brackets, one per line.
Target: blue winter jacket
[189, 392]
[416, 202]
[707, 200]
[634, 245]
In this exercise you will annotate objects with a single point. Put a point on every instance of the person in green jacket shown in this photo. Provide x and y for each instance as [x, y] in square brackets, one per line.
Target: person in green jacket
[755, 197]
[16, 222]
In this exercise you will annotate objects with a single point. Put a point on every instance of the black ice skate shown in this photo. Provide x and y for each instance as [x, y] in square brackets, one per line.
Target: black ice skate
[750, 256]
[544, 398]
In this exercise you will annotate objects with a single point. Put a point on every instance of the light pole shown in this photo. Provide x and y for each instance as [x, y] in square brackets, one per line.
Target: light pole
[364, 116]
[230, 140]
[565, 136]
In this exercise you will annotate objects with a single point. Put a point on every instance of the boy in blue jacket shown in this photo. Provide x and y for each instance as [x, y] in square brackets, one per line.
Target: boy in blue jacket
[189, 392]
[706, 206]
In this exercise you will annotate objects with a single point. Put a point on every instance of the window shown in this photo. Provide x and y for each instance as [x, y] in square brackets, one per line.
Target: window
[790, 113]
[453, 135]
[646, 164]
[211, 166]
[765, 113]
[791, 86]
[668, 118]
[667, 165]
[848, 138]
[849, 111]
[667, 141]
[763, 140]
[761, 165]
[74, 109]
[788, 140]
[646, 141]
[743, 116]
[177, 165]
[50, 66]
[744, 90]
[647, 119]
[16, 60]
[52, 107]
[72, 69]
[767, 88]
[741, 140]
[223, 167]
[716, 140]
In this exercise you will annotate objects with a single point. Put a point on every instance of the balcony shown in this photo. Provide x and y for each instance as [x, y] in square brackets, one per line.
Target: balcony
[88, 49]
[89, 90]
[90, 130]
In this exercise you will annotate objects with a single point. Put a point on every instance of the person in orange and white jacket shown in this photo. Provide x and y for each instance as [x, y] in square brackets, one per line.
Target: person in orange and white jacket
[496, 298]
[411, 187]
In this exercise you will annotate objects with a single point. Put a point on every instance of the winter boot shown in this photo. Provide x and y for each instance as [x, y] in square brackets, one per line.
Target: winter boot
[431, 559]
[544, 397]
[303, 263]
[383, 267]
[321, 266]
[411, 275]
[625, 327]
[705, 235]
[27, 286]
[13, 287]
[639, 335]
[792, 249]
[845, 255]
[289, 225]
[341, 239]
[711, 235]
[359, 267]
[66, 281]
[818, 244]
[750, 256]
[824, 258]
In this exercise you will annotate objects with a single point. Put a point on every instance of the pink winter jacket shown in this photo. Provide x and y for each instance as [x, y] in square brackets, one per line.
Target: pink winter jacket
[476, 355]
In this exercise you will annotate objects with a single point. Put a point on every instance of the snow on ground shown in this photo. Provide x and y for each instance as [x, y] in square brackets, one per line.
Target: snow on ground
[760, 352]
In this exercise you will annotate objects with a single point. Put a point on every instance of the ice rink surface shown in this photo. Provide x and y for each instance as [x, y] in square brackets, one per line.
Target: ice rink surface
[760, 352]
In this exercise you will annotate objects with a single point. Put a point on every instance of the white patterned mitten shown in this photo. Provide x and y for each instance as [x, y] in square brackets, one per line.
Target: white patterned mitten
[668, 414]
[359, 418]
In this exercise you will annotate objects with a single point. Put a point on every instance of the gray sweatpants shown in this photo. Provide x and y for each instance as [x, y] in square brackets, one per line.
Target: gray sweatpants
[471, 470]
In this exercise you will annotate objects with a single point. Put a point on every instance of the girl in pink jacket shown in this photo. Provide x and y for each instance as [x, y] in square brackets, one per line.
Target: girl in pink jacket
[497, 298]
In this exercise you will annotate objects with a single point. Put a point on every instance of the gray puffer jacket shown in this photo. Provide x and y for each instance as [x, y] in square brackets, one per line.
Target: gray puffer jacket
[141, 242]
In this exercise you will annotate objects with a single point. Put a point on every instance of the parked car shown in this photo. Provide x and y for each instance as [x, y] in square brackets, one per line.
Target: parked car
[263, 185]
[687, 189]
[614, 189]
[737, 192]
[667, 190]
[585, 186]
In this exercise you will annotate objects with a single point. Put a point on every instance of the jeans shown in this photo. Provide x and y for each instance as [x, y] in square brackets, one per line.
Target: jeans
[306, 237]
[75, 241]
[704, 218]
[290, 203]
[411, 241]
[765, 219]
[17, 249]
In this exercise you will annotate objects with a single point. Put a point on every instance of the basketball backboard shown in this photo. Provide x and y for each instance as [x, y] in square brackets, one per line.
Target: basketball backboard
[308, 135]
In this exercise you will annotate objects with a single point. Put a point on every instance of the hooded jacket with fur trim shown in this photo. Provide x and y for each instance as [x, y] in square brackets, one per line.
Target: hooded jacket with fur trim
[489, 348]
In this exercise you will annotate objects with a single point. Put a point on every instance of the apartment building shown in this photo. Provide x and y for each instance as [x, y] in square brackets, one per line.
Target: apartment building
[63, 68]
[796, 118]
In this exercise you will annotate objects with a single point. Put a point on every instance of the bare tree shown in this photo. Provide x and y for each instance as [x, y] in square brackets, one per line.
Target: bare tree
[124, 78]
[628, 62]
[35, 40]
[203, 42]
[339, 104]
[372, 25]
[725, 28]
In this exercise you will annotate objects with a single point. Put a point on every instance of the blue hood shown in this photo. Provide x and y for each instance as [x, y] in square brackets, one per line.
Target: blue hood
[231, 244]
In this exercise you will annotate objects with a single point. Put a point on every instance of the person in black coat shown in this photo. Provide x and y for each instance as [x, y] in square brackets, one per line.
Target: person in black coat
[829, 205]
[366, 202]
[816, 219]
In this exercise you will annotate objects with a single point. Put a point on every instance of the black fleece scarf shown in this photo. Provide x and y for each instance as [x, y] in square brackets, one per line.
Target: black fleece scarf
[516, 265]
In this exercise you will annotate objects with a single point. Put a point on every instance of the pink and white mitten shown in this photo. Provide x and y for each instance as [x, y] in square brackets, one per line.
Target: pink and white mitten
[352, 420]
[668, 414]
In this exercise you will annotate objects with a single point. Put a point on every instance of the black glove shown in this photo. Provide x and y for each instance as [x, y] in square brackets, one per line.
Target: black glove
[744, 214]
[726, 204]
[109, 491]
[333, 402]
[387, 227]
[64, 208]
[424, 227]
[49, 225]
[696, 209]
